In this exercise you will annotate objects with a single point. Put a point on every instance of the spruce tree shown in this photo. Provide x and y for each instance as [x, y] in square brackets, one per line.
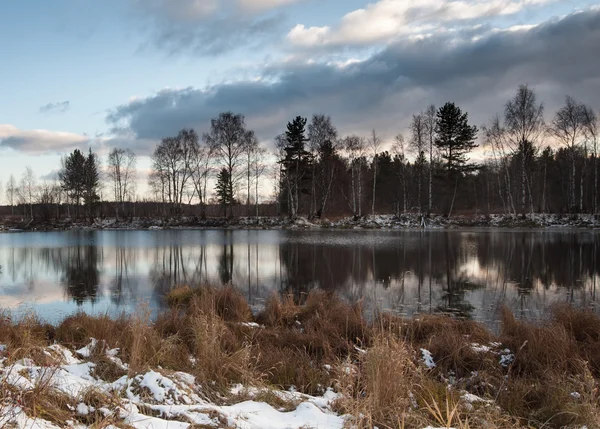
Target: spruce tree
[296, 164]
[91, 176]
[224, 188]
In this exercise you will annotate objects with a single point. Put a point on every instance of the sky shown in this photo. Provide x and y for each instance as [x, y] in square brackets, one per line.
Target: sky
[127, 73]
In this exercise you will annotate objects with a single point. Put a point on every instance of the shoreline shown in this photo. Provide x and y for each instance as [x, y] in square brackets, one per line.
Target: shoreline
[209, 362]
[368, 222]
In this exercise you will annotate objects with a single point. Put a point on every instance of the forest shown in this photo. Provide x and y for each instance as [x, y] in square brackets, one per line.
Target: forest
[526, 165]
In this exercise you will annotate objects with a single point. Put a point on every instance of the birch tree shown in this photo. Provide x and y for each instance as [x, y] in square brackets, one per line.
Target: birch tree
[227, 140]
[122, 173]
[430, 121]
[322, 136]
[374, 143]
[355, 146]
[11, 193]
[523, 124]
[568, 128]
[591, 135]
[418, 130]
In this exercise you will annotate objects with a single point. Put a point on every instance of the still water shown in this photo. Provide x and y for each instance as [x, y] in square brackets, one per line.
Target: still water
[471, 273]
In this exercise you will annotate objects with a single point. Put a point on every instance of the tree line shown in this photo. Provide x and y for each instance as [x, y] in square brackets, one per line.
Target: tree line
[528, 166]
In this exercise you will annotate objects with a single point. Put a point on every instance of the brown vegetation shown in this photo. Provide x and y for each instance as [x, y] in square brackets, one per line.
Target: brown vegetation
[548, 377]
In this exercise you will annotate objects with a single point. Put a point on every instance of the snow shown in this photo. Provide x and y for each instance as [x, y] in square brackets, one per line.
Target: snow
[506, 358]
[86, 351]
[250, 415]
[427, 358]
[82, 409]
[16, 417]
[251, 324]
[479, 348]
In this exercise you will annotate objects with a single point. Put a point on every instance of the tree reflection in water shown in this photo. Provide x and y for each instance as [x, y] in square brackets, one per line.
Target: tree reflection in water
[466, 273]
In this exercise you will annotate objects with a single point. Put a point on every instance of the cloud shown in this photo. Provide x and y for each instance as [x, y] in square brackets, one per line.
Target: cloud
[261, 5]
[51, 176]
[479, 68]
[40, 141]
[209, 27]
[387, 19]
[58, 107]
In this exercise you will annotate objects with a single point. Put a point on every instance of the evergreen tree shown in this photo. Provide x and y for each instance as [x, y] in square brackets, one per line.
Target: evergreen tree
[72, 176]
[80, 178]
[296, 164]
[91, 176]
[455, 138]
[224, 188]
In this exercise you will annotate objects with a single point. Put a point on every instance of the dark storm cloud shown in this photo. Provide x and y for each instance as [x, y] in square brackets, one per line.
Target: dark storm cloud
[480, 72]
[58, 107]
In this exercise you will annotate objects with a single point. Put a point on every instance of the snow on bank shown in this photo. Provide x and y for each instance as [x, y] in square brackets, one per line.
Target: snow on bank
[155, 399]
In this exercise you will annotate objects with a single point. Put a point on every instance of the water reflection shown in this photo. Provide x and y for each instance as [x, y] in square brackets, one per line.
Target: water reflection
[467, 273]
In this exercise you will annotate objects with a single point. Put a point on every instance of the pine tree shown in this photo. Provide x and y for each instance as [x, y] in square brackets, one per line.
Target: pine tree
[455, 138]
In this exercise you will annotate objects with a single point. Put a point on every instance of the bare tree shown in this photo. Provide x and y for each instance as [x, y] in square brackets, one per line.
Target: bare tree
[524, 124]
[250, 149]
[398, 150]
[495, 138]
[201, 172]
[172, 160]
[591, 134]
[227, 139]
[568, 127]
[355, 147]
[122, 173]
[374, 144]
[322, 136]
[430, 121]
[11, 193]
[418, 130]
[28, 189]
[258, 169]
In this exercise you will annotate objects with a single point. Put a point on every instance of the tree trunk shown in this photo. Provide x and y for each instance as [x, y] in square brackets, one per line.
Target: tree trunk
[453, 197]
[573, 200]
[374, 184]
[595, 182]
[544, 186]
[430, 205]
[359, 191]
[523, 179]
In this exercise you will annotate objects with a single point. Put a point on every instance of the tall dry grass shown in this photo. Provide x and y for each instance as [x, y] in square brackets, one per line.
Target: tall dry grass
[324, 342]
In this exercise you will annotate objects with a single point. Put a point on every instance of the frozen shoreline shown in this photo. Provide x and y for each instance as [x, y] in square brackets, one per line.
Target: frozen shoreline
[409, 221]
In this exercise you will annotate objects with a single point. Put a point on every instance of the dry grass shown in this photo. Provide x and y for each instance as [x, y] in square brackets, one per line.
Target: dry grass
[324, 342]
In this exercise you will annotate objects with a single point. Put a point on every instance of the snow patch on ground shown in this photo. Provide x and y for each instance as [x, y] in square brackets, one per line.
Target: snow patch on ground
[427, 358]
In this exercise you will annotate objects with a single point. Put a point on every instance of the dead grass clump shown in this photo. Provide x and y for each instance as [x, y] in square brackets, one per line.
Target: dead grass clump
[288, 367]
[279, 311]
[539, 348]
[46, 402]
[222, 358]
[227, 302]
[75, 331]
[584, 327]
[179, 296]
[378, 390]
[26, 338]
[450, 341]
[551, 403]
[144, 346]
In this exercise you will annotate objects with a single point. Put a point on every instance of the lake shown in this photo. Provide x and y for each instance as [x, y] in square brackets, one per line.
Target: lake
[470, 273]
